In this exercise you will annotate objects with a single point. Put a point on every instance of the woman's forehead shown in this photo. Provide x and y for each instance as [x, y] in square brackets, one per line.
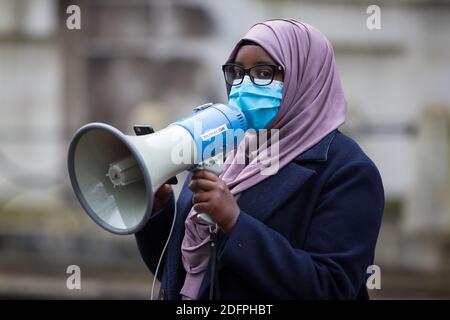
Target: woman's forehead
[251, 53]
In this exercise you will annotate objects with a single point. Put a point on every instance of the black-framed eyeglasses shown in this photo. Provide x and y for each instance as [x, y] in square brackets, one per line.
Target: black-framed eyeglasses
[261, 75]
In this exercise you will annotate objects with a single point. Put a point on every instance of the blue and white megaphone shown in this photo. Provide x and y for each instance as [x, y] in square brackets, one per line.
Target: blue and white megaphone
[114, 175]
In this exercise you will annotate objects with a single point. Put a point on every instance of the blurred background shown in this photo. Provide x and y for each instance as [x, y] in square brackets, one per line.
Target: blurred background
[152, 61]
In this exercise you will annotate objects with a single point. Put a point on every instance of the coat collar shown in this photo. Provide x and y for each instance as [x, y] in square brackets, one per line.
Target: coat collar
[282, 185]
[318, 152]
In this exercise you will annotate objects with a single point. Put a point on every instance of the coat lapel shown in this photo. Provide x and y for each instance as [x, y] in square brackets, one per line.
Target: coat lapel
[256, 202]
[282, 185]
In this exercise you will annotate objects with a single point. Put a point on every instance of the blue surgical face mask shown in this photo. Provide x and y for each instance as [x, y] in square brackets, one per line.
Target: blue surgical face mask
[259, 104]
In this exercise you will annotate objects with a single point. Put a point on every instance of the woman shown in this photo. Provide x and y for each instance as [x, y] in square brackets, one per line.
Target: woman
[309, 230]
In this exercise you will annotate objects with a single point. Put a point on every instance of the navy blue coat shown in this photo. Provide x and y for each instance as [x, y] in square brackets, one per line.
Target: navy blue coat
[308, 232]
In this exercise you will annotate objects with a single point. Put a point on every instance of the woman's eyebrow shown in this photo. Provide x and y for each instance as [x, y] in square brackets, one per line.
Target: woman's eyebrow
[256, 63]
[264, 62]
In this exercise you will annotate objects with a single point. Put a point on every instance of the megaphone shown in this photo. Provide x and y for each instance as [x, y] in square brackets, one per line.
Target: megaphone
[114, 176]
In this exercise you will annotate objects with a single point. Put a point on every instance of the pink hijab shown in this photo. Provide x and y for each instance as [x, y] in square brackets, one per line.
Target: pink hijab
[312, 106]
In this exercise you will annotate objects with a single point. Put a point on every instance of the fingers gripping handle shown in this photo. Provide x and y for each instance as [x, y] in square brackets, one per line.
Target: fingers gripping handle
[215, 166]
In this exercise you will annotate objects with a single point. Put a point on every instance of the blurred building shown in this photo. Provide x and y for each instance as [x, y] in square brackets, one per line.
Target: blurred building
[152, 61]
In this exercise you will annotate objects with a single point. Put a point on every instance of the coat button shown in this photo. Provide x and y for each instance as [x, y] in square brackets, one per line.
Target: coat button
[163, 295]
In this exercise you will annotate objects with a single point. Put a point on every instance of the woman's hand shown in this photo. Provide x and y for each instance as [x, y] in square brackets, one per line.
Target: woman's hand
[163, 195]
[212, 196]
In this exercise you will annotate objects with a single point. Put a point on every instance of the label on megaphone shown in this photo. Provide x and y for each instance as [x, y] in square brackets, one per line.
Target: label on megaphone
[214, 132]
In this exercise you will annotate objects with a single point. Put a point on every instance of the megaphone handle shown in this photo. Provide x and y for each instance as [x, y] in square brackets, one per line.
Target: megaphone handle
[204, 216]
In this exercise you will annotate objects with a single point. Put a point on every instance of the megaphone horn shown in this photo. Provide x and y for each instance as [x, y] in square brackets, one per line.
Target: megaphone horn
[114, 175]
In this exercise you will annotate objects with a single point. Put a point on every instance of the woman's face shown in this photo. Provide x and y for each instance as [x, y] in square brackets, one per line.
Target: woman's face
[250, 55]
